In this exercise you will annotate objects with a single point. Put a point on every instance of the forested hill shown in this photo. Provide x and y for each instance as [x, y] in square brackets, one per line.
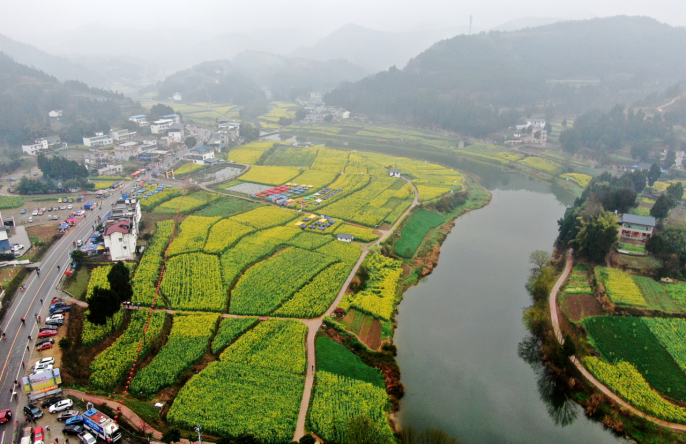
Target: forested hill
[575, 65]
[27, 95]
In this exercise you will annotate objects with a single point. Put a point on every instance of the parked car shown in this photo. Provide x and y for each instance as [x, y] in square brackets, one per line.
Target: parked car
[45, 361]
[54, 317]
[39, 368]
[49, 209]
[34, 213]
[69, 207]
[40, 212]
[45, 340]
[87, 438]
[68, 414]
[51, 401]
[58, 303]
[61, 406]
[73, 430]
[59, 200]
[38, 435]
[44, 346]
[55, 324]
[32, 410]
[76, 420]
[17, 247]
[48, 333]
[63, 207]
[43, 209]
[60, 310]
[48, 327]
[5, 416]
[55, 217]
[23, 211]
[30, 219]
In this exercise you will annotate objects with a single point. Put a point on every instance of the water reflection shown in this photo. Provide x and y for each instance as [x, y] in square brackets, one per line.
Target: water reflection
[554, 391]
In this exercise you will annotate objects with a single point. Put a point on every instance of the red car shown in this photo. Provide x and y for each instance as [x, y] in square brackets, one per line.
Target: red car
[49, 333]
[5, 416]
[44, 346]
[38, 434]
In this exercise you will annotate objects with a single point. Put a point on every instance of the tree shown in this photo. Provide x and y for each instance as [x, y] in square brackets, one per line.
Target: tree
[249, 132]
[300, 114]
[160, 110]
[662, 207]
[172, 435]
[676, 191]
[120, 282]
[539, 258]
[190, 142]
[569, 348]
[597, 235]
[564, 123]
[408, 435]
[77, 256]
[102, 305]
[364, 430]
[670, 159]
[654, 174]
[548, 127]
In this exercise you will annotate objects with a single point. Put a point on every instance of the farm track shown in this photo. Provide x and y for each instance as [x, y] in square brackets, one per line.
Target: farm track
[582, 369]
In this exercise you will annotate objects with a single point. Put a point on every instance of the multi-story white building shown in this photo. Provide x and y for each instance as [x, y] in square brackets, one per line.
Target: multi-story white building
[110, 170]
[176, 133]
[160, 126]
[99, 140]
[175, 117]
[121, 230]
[97, 157]
[122, 135]
[139, 119]
[177, 96]
[201, 154]
[41, 144]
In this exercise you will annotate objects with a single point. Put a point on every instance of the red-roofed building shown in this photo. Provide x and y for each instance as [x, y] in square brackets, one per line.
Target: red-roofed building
[121, 230]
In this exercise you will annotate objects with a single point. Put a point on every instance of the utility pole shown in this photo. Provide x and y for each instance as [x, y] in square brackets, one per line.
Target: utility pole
[470, 25]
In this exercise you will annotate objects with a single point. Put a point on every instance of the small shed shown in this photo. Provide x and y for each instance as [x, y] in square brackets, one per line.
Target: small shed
[394, 173]
[345, 237]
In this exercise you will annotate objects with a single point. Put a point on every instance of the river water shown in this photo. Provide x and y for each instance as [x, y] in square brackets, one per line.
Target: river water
[460, 335]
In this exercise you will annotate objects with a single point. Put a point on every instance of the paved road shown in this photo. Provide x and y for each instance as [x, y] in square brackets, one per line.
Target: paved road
[13, 348]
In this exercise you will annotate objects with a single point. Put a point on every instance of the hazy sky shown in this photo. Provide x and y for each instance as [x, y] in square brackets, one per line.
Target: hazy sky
[21, 19]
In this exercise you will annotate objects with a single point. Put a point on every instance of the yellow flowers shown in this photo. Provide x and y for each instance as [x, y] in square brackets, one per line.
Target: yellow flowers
[187, 168]
[193, 282]
[145, 279]
[157, 198]
[581, 179]
[229, 330]
[193, 234]
[264, 217]
[266, 285]
[224, 233]
[91, 333]
[249, 153]
[188, 203]
[620, 287]
[623, 379]
[187, 343]
[545, 165]
[272, 175]
[378, 298]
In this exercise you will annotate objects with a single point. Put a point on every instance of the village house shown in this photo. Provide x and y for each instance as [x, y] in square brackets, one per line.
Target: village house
[160, 126]
[394, 173]
[122, 135]
[175, 117]
[42, 144]
[177, 96]
[121, 229]
[345, 237]
[175, 132]
[200, 154]
[97, 157]
[99, 140]
[55, 113]
[110, 170]
[636, 227]
[139, 119]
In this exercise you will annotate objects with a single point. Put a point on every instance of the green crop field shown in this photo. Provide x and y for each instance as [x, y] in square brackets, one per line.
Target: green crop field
[419, 225]
[628, 339]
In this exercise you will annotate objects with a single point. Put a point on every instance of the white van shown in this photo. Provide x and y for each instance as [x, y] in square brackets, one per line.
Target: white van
[30, 219]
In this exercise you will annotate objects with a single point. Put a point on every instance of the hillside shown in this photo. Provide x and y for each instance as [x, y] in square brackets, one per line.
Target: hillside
[371, 49]
[56, 66]
[576, 65]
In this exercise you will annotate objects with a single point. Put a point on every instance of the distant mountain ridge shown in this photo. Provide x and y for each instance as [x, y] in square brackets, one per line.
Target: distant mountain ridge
[57, 66]
[577, 65]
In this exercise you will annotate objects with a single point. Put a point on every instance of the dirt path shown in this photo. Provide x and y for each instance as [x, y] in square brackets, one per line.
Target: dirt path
[595, 382]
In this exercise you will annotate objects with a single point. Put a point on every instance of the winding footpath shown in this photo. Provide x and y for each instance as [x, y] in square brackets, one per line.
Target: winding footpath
[604, 389]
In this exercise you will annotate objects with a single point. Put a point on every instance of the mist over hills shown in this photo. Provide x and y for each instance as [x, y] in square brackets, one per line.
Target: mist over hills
[573, 65]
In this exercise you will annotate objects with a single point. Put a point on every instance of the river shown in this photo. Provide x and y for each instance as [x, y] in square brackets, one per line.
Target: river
[460, 335]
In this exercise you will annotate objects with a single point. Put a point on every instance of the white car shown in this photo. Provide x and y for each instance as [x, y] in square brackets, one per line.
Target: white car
[54, 318]
[60, 406]
[38, 368]
[17, 247]
[34, 213]
[87, 438]
[45, 361]
[69, 207]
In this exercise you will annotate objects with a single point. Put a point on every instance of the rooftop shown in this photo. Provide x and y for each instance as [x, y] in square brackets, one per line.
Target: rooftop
[637, 219]
[176, 127]
[138, 116]
[121, 227]
[202, 149]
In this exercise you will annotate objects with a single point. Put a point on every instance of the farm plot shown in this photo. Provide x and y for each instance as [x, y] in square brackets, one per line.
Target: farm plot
[313, 299]
[628, 339]
[160, 197]
[226, 207]
[578, 281]
[193, 282]
[264, 217]
[656, 295]
[261, 380]
[309, 240]
[544, 165]
[333, 161]
[229, 330]
[187, 343]
[670, 332]
[346, 252]
[270, 174]
[249, 153]
[346, 388]
[188, 203]
[265, 286]
[91, 333]
[378, 298]
[413, 233]
[193, 235]
[620, 287]
[677, 292]
[292, 156]
[317, 179]
[580, 179]
[109, 367]
[224, 234]
[249, 188]
[188, 167]
[11, 202]
[626, 381]
[361, 234]
[145, 279]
